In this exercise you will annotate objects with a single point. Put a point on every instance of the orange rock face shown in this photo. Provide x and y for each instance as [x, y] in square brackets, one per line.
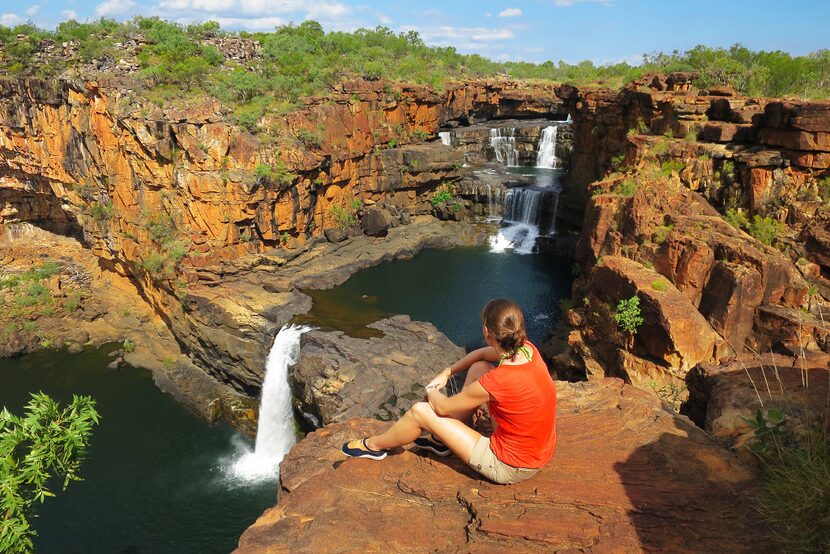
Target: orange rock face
[626, 477]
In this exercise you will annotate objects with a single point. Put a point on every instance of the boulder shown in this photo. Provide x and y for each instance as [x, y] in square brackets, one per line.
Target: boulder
[627, 476]
[723, 397]
[339, 377]
[335, 234]
[673, 330]
[376, 222]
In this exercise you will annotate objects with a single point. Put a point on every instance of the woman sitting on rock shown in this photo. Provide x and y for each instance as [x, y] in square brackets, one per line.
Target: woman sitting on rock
[520, 394]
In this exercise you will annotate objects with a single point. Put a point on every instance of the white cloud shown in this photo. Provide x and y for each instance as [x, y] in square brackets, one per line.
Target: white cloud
[511, 12]
[114, 7]
[468, 38]
[69, 14]
[569, 3]
[9, 19]
[234, 9]
[202, 5]
[251, 23]
[33, 9]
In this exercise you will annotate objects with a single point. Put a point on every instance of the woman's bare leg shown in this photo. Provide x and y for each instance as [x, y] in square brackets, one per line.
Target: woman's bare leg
[421, 417]
[476, 371]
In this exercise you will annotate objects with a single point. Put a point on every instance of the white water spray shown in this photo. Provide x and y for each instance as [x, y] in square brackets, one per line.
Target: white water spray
[275, 434]
[446, 138]
[503, 141]
[546, 152]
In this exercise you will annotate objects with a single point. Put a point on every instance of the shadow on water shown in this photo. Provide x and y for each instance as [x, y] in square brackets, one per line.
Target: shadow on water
[690, 496]
[447, 288]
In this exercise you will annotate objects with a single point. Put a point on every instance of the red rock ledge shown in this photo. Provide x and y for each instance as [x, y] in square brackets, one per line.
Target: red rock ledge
[627, 476]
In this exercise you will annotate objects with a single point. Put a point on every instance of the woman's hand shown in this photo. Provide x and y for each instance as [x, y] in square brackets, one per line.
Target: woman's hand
[440, 380]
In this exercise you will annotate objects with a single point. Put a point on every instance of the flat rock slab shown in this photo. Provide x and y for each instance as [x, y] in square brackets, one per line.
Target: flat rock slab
[627, 476]
[339, 377]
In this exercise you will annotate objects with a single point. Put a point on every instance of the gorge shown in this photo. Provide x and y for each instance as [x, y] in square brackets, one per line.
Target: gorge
[383, 215]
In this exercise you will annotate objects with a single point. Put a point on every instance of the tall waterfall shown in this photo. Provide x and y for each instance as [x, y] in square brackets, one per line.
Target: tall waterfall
[546, 152]
[446, 138]
[275, 434]
[503, 141]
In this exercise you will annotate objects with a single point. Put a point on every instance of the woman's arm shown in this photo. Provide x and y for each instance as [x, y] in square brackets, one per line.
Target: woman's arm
[472, 396]
[488, 353]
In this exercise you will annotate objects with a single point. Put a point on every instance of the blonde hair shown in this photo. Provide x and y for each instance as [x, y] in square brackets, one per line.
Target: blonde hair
[505, 323]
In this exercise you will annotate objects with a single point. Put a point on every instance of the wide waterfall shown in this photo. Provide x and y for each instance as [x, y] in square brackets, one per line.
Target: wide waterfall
[546, 152]
[275, 434]
[503, 141]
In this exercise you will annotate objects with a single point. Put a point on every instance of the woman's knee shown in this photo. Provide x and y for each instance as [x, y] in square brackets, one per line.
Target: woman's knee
[421, 411]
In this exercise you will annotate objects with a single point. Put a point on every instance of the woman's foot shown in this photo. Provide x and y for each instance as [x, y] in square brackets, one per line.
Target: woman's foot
[358, 449]
[433, 445]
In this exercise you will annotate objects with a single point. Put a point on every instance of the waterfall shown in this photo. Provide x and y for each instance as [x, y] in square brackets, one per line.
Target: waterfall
[275, 434]
[446, 138]
[546, 153]
[521, 237]
[504, 146]
[522, 206]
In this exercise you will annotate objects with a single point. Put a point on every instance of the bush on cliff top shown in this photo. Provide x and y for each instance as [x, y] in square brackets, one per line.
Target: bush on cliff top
[301, 60]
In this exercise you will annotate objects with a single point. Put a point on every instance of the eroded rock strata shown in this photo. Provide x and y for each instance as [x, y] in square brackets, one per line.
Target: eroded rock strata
[627, 476]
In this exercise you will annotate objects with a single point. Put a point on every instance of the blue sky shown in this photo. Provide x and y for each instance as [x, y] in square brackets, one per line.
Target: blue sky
[534, 30]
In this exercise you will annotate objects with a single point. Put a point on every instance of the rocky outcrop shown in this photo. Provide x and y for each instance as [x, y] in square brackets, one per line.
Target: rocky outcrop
[339, 377]
[626, 476]
[725, 399]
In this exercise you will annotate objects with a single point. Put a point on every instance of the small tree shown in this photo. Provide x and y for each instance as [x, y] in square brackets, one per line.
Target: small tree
[628, 317]
[46, 442]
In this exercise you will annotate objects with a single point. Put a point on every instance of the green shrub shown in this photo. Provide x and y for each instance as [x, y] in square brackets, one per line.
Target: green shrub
[101, 212]
[35, 294]
[671, 166]
[618, 161]
[440, 196]
[764, 229]
[626, 188]
[824, 189]
[46, 443]
[737, 218]
[659, 285]
[628, 316]
[310, 138]
[128, 346]
[661, 233]
[660, 147]
[343, 217]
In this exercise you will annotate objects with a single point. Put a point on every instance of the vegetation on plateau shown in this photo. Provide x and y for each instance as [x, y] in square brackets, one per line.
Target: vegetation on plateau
[46, 443]
[295, 61]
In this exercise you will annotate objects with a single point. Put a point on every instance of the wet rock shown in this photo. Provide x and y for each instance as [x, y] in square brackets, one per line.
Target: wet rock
[626, 476]
[339, 377]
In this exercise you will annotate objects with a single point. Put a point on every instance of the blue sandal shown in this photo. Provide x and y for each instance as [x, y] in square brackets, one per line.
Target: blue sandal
[358, 449]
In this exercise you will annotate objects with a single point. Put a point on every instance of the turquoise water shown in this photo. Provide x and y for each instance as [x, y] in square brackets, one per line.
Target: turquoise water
[448, 288]
[154, 478]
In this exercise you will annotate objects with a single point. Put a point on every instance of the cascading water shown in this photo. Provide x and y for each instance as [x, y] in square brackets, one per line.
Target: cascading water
[503, 141]
[546, 153]
[275, 434]
[446, 138]
[528, 210]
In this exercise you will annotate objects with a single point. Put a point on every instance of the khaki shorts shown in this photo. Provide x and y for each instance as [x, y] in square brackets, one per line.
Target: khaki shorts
[484, 461]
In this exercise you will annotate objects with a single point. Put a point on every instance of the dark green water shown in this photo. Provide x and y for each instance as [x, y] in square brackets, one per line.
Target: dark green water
[154, 479]
[448, 288]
